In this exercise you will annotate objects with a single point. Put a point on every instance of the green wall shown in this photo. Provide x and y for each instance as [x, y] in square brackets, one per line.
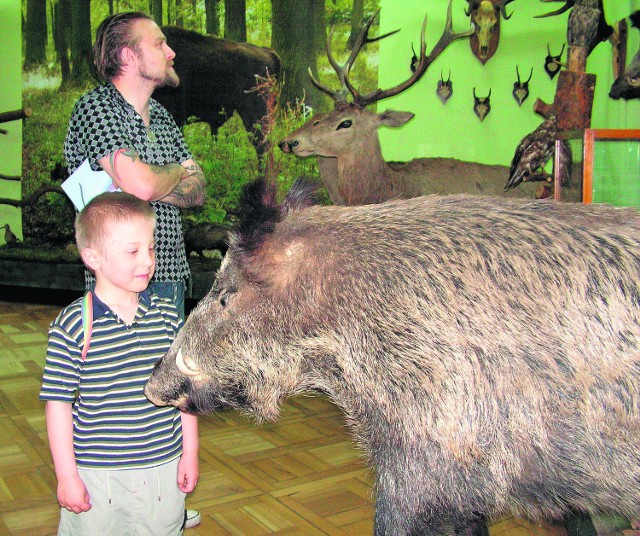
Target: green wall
[10, 99]
[453, 130]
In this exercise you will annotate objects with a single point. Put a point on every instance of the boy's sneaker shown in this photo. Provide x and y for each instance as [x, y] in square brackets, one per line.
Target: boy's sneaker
[191, 518]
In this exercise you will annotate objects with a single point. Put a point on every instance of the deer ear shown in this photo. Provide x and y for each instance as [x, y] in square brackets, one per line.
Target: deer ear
[394, 119]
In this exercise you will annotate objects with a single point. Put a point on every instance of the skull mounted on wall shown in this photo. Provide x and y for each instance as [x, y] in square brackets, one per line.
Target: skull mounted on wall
[485, 16]
[445, 88]
[553, 64]
[481, 105]
[520, 88]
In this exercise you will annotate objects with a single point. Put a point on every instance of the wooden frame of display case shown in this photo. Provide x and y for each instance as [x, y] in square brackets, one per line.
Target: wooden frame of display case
[589, 137]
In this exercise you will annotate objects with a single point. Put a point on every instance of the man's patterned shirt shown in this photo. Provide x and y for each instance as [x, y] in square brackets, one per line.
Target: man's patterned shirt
[103, 122]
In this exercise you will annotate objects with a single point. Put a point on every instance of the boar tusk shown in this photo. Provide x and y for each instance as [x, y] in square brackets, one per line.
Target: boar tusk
[187, 367]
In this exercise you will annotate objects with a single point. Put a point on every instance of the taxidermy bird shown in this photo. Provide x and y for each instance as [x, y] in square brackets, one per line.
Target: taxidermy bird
[586, 26]
[534, 151]
[9, 237]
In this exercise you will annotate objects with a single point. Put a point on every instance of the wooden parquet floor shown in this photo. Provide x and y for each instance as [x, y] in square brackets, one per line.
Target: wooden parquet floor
[301, 475]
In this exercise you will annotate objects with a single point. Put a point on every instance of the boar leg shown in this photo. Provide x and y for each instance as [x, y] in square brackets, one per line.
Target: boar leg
[394, 517]
[579, 524]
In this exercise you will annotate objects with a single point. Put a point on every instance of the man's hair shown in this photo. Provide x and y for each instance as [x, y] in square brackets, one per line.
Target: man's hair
[94, 222]
[114, 33]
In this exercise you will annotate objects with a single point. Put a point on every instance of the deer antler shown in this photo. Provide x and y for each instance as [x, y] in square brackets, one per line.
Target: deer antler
[568, 5]
[343, 72]
[503, 9]
[447, 37]
[528, 79]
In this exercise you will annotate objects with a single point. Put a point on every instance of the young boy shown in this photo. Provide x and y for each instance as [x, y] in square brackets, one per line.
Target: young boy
[123, 465]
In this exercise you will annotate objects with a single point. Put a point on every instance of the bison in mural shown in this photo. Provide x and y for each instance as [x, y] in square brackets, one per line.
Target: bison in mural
[486, 352]
[217, 78]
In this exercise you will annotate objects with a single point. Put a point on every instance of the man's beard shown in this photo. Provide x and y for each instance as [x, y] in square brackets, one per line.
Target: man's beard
[170, 79]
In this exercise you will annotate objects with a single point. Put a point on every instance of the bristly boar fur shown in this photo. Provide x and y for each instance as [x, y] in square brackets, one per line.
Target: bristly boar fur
[486, 352]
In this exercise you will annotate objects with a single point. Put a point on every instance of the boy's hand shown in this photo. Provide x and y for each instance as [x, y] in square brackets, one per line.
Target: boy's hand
[188, 472]
[73, 495]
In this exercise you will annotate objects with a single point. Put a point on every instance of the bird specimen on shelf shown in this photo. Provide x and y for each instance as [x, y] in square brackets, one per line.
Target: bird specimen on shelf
[10, 238]
[534, 151]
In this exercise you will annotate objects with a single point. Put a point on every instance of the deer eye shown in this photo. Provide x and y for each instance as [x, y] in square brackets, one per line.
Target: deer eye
[345, 124]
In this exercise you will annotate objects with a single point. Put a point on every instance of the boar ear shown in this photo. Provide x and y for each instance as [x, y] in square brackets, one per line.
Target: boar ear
[259, 210]
[258, 216]
[304, 193]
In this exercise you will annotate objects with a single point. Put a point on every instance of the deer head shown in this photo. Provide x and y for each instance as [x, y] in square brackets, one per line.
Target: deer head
[444, 89]
[349, 132]
[481, 105]
[485, 15]
[552, 64]
[520, 88]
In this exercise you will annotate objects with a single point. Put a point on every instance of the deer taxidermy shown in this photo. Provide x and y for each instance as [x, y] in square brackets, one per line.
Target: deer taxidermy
[445, 88]
[346, 142]
[627, 84]
[521, 89]
[485, 15]
[553, 64]
[481, 105]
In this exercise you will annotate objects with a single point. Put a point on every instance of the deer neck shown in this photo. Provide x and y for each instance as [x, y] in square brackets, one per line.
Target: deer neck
[362, 174]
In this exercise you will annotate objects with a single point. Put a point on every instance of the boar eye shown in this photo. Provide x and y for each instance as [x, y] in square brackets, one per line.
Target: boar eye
[223, 301]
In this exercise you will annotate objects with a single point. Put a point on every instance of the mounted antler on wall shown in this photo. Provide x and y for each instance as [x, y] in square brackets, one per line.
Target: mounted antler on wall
[521, 89]
[485, 15]
[481, 105]
[444, 89]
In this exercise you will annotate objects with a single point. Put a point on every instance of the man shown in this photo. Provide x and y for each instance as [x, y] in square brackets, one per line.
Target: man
[119, 128]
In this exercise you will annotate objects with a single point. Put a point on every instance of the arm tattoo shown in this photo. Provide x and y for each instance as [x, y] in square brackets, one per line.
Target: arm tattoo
[113, 157]
[193, 168]
[190, 192]
[131, 153]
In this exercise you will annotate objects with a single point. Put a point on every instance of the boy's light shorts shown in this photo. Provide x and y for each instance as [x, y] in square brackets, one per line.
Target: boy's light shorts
[144, 502]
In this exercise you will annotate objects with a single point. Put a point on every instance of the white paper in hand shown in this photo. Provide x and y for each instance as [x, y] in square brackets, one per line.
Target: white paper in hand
[84, 184]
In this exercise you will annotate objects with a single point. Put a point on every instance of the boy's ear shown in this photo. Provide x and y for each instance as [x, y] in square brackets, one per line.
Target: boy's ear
[91, 258]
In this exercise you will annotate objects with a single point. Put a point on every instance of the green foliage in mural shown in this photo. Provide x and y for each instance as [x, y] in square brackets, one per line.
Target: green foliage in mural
[228, 158]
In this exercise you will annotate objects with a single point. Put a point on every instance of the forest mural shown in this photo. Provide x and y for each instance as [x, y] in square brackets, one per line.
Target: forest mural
[57, 69]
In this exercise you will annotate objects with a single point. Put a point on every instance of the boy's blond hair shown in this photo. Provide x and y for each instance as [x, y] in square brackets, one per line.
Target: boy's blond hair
[94, 221]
